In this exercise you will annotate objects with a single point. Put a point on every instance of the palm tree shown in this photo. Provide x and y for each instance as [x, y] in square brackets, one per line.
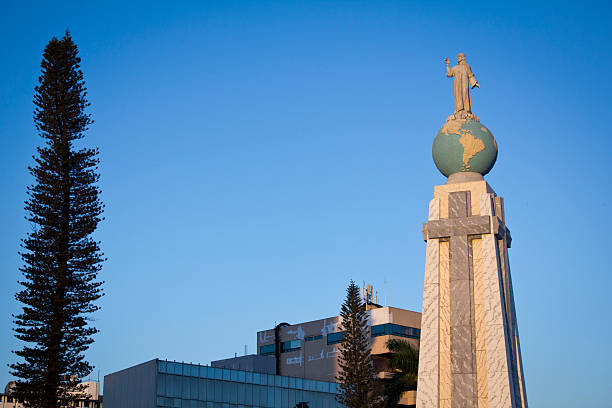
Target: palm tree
[404, 363]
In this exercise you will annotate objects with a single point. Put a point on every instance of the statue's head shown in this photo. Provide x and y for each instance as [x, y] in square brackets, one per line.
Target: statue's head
[460, 57]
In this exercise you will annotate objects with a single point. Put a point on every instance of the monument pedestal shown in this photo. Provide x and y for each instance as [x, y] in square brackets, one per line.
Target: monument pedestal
[469, 349]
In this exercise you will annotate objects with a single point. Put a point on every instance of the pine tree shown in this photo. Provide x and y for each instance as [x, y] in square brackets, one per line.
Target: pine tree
[61, 260]
[358, 385]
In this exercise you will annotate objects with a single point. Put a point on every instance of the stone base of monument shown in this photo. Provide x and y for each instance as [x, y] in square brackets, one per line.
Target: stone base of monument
[469, 349]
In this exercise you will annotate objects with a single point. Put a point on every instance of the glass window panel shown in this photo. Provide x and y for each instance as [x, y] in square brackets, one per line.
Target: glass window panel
[161, 401]
[240, 391]
[299, 396]
[333, 338]
[256, 397]
[218, 391]
[178, 368]
[233, 375]
[256, 378]
[260, 395]
[291, 382]
[270, 402]
[378, 330]
[285, 382]
[229, 392]
[278, 397]
[194, 388]
[248, 377]
[202, 389]
[290, 346]
[267, 350]
[203, 371]
[241, 376]
[285, 397]
[298, 383]
[210, 390]
[161, 366]
[323, 386]
[176, 386]
[185, 404]
[226, 374]
[271, 379]
[291, 402]
[186, 387]
[176, 403]
[316, 399]
[218, 373]
[248, 394]
[161, 384]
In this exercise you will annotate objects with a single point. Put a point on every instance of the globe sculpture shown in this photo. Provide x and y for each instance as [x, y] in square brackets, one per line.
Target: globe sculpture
[464, 145]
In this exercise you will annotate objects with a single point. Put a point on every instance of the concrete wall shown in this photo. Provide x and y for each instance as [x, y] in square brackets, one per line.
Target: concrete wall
[133, 387]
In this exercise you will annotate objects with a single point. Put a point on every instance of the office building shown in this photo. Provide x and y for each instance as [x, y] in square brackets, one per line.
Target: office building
[160, 383]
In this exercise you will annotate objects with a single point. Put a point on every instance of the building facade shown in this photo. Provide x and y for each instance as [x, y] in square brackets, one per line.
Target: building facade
[160, 383]
[92, 390]
[311, 349]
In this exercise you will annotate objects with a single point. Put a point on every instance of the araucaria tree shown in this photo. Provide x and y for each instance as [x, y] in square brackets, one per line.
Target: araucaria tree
[358, 385]
[60, 258]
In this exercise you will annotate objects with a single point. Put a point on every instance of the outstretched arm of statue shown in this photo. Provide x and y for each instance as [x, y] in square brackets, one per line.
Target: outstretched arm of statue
[449, 71]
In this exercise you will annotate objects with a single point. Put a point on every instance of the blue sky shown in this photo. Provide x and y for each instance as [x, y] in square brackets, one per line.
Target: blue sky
[255, 156]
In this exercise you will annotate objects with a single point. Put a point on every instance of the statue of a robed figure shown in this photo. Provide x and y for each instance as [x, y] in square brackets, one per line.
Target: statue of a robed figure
[464, 81]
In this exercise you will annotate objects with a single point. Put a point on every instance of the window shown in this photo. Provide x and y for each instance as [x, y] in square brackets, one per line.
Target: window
[313, 338]
[379, 330]
[290, 346]
[395, 330]
[267, 350]
[333, 338]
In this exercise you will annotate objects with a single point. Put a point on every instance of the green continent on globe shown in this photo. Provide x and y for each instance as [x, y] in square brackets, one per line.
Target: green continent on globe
[463, 145]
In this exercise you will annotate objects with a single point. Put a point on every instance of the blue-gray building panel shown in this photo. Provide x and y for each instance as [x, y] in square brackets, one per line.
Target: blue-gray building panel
[180, 385]
[133, 387]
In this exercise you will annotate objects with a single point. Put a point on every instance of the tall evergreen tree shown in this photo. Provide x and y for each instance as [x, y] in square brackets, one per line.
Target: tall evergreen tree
[358, 385]
[61, 259]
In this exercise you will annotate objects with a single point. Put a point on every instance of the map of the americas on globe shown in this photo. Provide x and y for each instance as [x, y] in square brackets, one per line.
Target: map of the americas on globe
[464, 145]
